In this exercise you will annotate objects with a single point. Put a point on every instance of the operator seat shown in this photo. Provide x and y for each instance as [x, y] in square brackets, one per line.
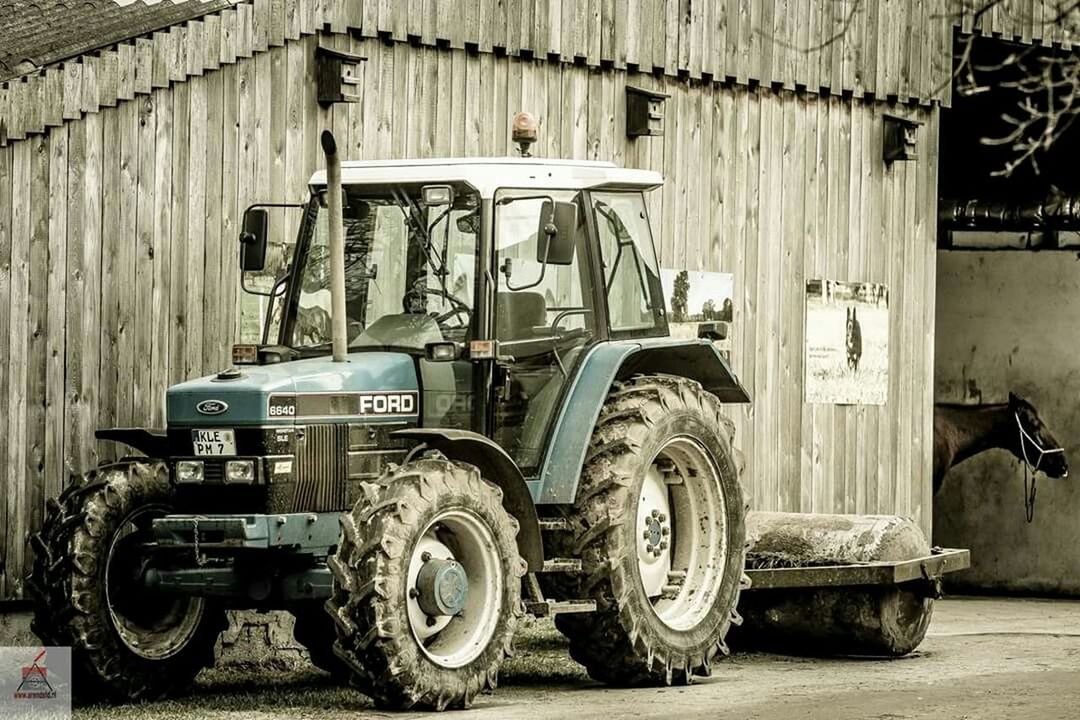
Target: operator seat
[517, 314]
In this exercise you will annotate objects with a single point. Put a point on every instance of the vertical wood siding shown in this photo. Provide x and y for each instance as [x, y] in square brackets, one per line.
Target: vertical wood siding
[118, 253]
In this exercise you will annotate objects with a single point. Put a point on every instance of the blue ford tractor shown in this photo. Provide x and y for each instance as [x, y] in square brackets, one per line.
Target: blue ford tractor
[470, 408]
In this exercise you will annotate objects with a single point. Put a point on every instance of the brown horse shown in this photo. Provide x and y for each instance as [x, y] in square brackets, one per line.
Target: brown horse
[961, 431]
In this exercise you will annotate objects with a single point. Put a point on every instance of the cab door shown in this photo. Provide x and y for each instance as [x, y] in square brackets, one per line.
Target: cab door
[544, 315]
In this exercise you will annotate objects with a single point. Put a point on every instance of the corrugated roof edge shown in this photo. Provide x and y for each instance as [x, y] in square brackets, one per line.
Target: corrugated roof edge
[175, 16]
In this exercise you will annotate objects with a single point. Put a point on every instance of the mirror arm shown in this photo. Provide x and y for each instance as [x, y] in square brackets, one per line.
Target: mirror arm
[543, 270]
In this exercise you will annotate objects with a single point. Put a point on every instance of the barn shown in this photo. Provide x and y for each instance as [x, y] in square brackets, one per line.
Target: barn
[799, 141]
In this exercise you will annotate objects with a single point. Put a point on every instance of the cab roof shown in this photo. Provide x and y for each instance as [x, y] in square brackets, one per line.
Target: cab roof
[489, 174]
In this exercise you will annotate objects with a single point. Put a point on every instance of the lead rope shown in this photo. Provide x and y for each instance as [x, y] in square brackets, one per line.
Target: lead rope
[1029, 468]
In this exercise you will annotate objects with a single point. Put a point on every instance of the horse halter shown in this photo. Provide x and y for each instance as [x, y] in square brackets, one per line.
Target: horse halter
[1029, 467]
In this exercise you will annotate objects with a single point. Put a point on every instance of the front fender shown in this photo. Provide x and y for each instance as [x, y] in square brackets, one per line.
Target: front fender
[607, 362]
[498, 467]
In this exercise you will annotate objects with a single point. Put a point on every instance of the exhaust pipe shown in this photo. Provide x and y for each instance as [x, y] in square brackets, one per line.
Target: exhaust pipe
[337, 247]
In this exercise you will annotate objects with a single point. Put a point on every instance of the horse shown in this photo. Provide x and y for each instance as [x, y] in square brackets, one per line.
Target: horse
[962, 431]
[853, 341]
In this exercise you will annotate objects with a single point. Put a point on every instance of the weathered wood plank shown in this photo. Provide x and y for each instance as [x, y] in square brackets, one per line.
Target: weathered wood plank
[145, 222]
[6, 187]
[16, 366]
[90, 305]
[126, 259]
[164, 328]
[75, 456]
[196, 230]
[111, 279]
[56, 319]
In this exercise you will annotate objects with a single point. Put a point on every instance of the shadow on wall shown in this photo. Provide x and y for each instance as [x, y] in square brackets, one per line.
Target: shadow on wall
[1007, 320]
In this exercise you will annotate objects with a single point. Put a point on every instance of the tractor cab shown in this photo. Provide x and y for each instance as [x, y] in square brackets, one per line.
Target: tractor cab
[495, 276]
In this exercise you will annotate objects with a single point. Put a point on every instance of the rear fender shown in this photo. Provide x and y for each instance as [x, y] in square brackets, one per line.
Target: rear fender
[607, 362]
[498, 467]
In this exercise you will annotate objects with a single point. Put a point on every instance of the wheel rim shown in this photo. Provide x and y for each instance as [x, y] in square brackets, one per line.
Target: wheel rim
[157, 629]
[682, 533]
[462, 538]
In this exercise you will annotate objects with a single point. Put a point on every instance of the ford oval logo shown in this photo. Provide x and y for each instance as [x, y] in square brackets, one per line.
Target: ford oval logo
[212, 407]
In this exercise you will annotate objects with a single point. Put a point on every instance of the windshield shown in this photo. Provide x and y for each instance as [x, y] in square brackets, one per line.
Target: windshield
[409, 269]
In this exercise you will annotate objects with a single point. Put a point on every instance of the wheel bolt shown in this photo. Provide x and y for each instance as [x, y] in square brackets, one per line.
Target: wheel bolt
[656, 513]
[430, 621]
[414, 593]
[425, 556]
[646, 535]
[663, 545]
[662, 517]
[665, 531]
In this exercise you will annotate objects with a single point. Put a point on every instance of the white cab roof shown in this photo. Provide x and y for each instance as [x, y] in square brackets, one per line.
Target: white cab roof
[489, 174]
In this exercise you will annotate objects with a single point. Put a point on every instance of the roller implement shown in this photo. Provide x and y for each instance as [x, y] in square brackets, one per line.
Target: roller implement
[466, 406]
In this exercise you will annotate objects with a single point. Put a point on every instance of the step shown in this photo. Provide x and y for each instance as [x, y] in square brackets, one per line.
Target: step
[557, 524]
[552, 607]
[567, 565]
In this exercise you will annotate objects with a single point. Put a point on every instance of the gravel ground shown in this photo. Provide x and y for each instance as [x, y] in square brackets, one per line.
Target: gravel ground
[983, 658]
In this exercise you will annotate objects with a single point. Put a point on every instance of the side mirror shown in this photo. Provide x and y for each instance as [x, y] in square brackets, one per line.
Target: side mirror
[557, 232]
[253, 239]
[713, 330]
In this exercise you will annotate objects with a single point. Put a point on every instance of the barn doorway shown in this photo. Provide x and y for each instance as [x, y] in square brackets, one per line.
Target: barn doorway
[1007, 320]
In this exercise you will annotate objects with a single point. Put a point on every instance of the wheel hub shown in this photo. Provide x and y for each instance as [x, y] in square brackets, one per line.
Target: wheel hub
[442, 587]
[657, 530]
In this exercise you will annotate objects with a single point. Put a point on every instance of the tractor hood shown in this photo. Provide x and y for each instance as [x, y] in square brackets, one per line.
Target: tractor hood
[372, 386]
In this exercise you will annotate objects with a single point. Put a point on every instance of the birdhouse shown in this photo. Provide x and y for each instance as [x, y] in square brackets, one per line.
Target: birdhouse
[337, 75]
[900, 138]
[644, 112]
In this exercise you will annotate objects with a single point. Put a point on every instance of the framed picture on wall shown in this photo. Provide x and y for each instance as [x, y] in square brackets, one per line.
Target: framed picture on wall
[847, 342]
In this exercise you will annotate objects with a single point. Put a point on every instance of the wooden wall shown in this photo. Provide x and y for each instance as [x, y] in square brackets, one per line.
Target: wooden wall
[1038, 22]
[118, 268]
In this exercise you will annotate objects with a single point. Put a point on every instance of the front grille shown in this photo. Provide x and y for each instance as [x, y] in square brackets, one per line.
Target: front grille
[214, 471]
[321, 468]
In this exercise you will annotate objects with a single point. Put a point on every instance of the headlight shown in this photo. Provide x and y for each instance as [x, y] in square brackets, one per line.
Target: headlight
[189, 471]
[240, 471]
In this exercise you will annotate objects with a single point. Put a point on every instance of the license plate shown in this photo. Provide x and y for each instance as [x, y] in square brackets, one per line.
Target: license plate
[214, 442]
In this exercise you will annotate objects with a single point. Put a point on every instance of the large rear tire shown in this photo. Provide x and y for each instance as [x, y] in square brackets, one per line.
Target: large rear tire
[659, 523]
[427, 586]
[87, 590]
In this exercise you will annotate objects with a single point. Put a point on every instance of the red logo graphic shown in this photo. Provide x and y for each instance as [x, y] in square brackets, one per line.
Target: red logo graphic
[35, 681]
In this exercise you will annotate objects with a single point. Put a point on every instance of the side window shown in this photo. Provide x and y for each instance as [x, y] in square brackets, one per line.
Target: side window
[631, 276]
[536, 299]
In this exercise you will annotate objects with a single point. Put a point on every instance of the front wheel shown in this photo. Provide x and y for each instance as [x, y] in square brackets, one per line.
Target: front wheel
[427, 586]
[659, 524]
[88, 593]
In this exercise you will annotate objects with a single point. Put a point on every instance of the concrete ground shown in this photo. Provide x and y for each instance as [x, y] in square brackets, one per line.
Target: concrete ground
[983, 658]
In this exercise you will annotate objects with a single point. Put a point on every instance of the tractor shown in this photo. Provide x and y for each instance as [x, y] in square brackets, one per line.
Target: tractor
[470, 408]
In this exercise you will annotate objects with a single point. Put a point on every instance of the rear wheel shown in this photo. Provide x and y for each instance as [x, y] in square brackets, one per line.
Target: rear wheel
[88, 593]
[427, 586]
[659, 523]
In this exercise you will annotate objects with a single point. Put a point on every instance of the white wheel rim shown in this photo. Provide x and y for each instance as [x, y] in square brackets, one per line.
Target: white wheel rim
[682, 533]
[453, 641]
[172, 632]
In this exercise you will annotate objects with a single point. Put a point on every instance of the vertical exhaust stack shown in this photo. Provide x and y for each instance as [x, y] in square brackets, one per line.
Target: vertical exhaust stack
[337, 247]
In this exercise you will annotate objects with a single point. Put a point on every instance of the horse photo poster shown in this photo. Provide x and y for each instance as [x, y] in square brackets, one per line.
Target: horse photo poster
[694, 296]
[847, 342]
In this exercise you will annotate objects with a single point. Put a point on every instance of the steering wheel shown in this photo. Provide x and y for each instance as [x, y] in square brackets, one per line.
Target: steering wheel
[458, 307]
[412, 302]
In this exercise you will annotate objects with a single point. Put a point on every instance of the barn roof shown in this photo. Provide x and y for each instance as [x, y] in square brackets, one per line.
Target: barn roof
[34, 33]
